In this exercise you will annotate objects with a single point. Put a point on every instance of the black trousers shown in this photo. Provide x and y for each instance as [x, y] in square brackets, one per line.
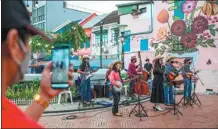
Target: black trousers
[116, 99]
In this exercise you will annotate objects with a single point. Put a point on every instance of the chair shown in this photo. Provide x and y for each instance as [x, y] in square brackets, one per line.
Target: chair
[126, 89]
[66, 92]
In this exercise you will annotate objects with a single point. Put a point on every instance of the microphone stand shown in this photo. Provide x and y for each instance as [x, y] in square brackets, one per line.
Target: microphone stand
[194, 97]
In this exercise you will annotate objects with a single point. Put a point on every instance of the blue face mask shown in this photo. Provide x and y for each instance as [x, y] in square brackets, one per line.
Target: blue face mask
[23, 65]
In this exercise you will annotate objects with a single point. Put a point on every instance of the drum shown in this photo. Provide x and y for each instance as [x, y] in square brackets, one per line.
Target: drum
[180, 77]
[141, 88]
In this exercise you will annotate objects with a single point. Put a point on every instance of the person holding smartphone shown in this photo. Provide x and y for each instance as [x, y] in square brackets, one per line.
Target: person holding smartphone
[16, 32]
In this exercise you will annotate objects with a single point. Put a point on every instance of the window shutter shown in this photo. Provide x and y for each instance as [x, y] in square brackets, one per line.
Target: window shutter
[144, 44]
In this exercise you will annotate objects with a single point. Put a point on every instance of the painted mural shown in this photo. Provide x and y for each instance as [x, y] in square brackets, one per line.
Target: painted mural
[198, 27]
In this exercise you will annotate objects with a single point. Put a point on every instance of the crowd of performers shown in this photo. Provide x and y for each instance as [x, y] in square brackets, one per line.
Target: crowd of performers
[159, 90]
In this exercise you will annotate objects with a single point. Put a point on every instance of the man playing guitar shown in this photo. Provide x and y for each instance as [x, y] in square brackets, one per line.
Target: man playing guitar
[148, 68]
[168, 90]
[132, 73]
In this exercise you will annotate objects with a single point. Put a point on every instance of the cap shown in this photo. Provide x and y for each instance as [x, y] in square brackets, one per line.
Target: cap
[170, 57]
[15, 15]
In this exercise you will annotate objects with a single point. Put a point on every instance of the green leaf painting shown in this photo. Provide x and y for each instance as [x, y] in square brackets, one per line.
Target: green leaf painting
[213, 32]
[173, 8]
[211, 26]
[210, 42]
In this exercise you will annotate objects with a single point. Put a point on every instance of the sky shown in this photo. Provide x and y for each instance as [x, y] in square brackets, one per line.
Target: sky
[100, 6]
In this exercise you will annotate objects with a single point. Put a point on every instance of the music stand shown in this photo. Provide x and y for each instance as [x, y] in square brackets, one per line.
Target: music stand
[188, 101]
[141, 109]
[175, 110]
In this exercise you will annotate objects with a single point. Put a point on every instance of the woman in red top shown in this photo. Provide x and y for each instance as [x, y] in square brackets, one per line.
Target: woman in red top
[114, 77]
[107, 81]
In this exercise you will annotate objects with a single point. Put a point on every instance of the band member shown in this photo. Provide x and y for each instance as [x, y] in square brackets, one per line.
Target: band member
[188, 82]
[157, 94]
[132, 72]
[84, 70]
[107, 81]
[148, 68]
[169, 90]
[114, 77]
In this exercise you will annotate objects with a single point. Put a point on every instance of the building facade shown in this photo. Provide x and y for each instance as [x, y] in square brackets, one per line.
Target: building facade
[110, 36]
[50, 14]
[150, 24]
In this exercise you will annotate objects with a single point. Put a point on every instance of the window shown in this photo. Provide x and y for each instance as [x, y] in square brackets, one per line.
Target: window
[41, 26]
[41, 13]
[126, 45]
[104, 37]
[115, 34]
[144, 44]
[34, 15]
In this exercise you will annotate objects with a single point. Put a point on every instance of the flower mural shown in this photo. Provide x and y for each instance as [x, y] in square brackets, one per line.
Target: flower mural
[189, 6]
[162, 33]
[196, 29]
[210, 8]
[199, 25]
[189, 40]
[163, 16]
[178, 28]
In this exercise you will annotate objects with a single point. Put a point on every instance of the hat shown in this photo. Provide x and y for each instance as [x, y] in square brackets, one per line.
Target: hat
[15, 15]
[187, 59]
[133, 57]
[158, 57]
[170, 57]
[115, 62]
[86, 57]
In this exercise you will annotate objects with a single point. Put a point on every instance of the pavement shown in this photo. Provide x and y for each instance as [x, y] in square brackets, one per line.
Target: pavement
[204, 117]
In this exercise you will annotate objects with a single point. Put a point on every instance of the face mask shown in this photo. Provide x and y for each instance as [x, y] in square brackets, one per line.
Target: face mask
[24, 64]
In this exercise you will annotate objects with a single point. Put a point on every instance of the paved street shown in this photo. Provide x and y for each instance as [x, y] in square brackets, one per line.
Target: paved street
[205, 117]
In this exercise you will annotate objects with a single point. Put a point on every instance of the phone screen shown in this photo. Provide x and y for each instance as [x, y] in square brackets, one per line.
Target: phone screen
[60, 67]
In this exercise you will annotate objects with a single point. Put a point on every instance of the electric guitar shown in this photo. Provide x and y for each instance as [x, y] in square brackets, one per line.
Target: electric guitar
[86, 77]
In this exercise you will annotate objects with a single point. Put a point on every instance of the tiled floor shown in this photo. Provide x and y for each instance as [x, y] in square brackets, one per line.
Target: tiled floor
[204, 117]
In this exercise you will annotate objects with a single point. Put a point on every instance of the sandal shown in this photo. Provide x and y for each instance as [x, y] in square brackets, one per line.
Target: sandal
[118, 114]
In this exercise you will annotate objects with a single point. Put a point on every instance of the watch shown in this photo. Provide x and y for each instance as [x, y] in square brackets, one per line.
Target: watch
[41, 101]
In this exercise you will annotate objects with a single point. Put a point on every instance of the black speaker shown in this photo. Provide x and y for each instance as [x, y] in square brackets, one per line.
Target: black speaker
[99, 91]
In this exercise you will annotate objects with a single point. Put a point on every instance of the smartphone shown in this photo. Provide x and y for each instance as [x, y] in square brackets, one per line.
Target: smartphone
[60, 67]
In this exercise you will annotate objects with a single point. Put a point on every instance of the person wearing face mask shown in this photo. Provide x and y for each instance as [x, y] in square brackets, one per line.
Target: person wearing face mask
[86, 90]
[114, 78]
[157, 94]
[132, 73]
[168, 90]
[16, 33]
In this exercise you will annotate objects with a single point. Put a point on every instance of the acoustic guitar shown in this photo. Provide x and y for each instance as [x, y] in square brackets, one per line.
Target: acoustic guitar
[190, 74]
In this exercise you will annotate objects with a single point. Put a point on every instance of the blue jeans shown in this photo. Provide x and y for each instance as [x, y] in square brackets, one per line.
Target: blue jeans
[150, 84]
[108, 84]
[86, 90]
[116, 100]
[187, 88]
[131, 85]
[168, 94]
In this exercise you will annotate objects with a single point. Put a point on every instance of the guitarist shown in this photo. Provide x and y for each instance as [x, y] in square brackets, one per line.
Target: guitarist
[168, 90]
[86, 91]
[187, 79]
[148, 68]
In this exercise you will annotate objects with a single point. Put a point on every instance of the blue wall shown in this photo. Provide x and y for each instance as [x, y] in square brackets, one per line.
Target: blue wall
[57, 15]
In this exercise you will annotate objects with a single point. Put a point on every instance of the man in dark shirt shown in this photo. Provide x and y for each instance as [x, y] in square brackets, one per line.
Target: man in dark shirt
[188, 82]
[148, 68]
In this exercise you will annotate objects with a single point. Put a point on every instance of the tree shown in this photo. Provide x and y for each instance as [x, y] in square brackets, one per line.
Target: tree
[73, 34]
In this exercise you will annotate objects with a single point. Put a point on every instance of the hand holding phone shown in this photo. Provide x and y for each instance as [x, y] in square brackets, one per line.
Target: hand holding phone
[60, 67]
